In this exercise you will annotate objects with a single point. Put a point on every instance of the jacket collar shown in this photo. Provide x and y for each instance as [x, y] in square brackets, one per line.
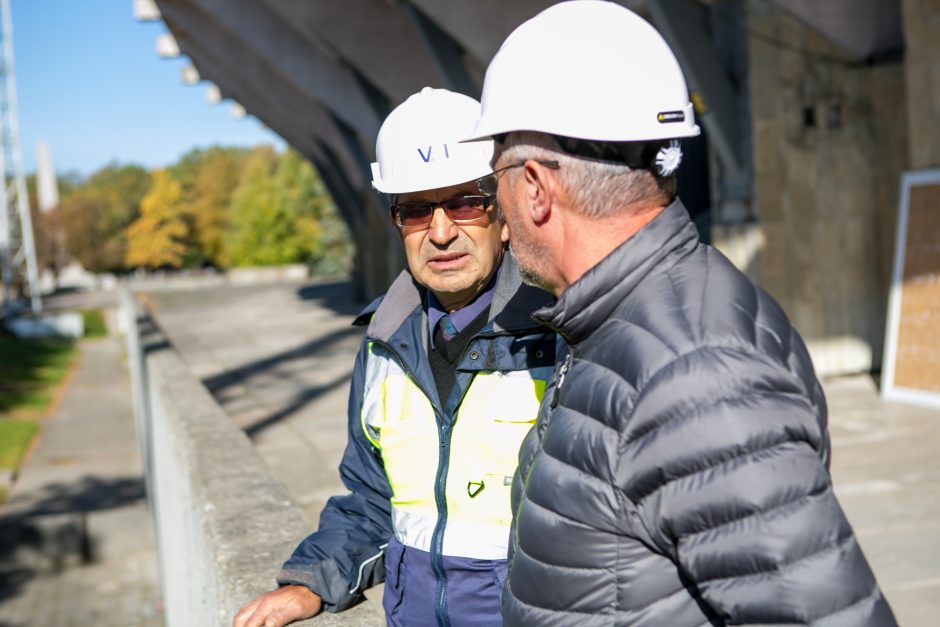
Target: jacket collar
[590, 300]
[511, 309]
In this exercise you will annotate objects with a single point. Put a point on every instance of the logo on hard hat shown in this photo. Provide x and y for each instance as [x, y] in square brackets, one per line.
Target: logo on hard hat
[667, 117]
[427, 157]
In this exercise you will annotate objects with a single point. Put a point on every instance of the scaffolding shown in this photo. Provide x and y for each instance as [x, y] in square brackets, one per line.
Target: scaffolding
[17, 249]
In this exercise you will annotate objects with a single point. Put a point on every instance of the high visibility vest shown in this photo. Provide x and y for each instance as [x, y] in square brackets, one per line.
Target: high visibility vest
[467, 463]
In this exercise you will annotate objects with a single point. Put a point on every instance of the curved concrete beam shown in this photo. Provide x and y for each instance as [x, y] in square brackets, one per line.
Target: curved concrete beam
[383, 47]
[253, 80]
[480, 26]
[310, 68]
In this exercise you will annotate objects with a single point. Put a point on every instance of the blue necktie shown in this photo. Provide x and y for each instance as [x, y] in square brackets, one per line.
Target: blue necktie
[448, 330]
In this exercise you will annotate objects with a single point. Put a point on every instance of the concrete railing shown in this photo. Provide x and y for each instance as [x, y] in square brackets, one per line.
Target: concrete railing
[223, 522]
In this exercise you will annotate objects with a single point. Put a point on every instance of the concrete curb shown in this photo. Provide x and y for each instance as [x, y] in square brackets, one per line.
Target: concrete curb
[224, 523]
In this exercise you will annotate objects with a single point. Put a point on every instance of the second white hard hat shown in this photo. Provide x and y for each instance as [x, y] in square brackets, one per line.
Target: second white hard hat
[418, 146]
[590, 70]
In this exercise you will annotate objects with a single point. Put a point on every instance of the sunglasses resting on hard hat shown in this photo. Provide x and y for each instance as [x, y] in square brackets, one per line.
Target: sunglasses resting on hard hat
[459, 209]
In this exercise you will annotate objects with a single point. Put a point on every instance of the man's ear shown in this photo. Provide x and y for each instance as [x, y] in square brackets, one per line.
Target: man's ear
[504, 233]
[539, 190]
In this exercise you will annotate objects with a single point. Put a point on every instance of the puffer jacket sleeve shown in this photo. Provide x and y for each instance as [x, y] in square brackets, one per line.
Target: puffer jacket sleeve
[345, 555]
[727, 454]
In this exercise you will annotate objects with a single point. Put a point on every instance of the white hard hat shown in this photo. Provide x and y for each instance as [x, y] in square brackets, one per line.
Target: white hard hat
[588, 70]
[419, 147]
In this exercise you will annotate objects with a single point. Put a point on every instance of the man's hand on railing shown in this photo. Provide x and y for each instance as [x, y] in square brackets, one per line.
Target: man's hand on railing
[278, 608]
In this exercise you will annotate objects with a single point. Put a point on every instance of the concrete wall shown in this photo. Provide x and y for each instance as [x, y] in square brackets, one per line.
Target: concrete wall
[922, 67]
[223, 523]
[829, 143]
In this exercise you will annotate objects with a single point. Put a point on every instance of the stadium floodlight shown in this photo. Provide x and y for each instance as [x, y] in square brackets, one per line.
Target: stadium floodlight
[213, 94]
[146, 11]
[167, 47]
[189, 75]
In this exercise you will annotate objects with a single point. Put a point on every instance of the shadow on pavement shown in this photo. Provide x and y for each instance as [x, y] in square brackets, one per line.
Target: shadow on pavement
[239, 375]
[85, 495]
[300, 400]
[340, 296]
[278, 368]
[51, 532]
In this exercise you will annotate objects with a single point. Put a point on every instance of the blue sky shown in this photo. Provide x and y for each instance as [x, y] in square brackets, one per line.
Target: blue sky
[91, 85]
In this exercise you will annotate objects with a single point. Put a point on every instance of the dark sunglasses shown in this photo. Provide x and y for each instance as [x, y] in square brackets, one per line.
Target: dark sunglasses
[460, 209]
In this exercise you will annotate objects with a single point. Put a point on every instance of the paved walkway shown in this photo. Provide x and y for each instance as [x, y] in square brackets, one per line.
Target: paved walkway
[76, 542]
[278, 359]
[886, 471]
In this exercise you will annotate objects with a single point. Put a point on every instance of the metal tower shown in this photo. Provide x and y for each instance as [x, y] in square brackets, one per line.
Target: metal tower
[17, 249]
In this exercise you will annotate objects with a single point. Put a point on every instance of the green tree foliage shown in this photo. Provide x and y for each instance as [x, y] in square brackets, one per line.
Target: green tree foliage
[207, 178]
[254, 228]
[157, 238]
[277, 212]
[97, 213]
[216, 206]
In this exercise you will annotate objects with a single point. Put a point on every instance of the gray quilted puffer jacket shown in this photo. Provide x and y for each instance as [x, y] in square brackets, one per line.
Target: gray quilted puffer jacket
[679, 473]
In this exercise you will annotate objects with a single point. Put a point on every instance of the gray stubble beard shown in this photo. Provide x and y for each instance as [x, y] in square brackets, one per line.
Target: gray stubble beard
[529, 277]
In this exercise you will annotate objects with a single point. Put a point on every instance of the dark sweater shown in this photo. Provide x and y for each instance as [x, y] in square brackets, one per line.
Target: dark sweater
[446, 353]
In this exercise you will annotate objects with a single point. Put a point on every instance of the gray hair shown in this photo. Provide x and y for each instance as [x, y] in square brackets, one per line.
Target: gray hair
[596, 188]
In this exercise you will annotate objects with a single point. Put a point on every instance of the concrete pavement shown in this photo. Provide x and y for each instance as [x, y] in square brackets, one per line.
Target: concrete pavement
[886, 472]
[76, 543]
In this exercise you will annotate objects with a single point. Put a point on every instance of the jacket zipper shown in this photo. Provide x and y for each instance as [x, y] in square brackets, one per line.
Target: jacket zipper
[437, 538]
[560, 379]
[445, 431]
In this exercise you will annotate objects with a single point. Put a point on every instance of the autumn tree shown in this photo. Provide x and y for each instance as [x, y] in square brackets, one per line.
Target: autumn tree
[96, 215]
[208, 178]
[156, 238]
[219, 206]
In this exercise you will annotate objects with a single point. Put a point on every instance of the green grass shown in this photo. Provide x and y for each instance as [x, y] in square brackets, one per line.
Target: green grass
[94, 323]
[15, 437]
[30, 373]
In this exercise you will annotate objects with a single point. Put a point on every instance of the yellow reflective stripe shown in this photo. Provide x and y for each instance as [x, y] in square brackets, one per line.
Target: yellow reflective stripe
[497, 411]
[399, 421]
[461, 539]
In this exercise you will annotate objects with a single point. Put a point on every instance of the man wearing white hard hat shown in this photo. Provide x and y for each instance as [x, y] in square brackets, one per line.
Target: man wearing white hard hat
[678, 473]
[447, 382]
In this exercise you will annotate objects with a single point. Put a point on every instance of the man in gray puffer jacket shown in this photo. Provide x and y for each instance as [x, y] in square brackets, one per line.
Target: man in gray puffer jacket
[678, 475]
